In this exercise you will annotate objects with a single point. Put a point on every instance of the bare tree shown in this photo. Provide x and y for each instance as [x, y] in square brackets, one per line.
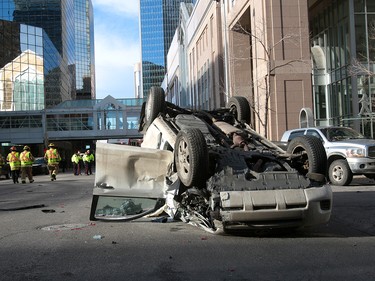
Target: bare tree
[360, 67]
[261, 108]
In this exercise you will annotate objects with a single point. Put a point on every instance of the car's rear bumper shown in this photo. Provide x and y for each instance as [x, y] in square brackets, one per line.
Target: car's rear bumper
[277, 208]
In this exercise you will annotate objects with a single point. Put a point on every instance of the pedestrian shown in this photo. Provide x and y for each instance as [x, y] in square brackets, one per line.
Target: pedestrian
[15, 164]
[88, 160]
[81, 164]
[27, 160]
[53, 159]
[75, 160]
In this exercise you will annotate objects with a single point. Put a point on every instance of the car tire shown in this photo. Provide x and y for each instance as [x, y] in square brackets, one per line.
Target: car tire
[240, 107]
[315, 157]
[154, 105]
[191, 157]
[339, 173]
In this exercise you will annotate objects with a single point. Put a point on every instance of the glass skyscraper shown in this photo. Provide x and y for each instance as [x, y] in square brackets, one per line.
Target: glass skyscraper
[46, 55]
[84, 49]
[343, 38]
[158, 22]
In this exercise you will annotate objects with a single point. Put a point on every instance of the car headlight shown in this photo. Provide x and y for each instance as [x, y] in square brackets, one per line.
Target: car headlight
[355, 152]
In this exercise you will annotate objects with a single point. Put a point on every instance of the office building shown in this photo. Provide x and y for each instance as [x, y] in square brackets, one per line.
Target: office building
[298, 62]
[158, 22]
[46, 49]
[343, 54]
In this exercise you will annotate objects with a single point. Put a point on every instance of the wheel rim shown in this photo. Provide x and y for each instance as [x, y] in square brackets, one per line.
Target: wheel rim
[183, 159]
[337, 173]
[234, 111]
[305, 160]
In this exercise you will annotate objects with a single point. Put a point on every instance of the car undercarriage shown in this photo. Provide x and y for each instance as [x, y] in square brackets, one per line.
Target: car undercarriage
[214, 171]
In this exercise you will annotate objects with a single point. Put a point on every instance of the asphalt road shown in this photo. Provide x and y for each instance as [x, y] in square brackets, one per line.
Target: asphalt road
[45, 234]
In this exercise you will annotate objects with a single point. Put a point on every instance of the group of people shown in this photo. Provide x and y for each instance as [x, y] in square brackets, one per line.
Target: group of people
[21, 163]
[79, 161]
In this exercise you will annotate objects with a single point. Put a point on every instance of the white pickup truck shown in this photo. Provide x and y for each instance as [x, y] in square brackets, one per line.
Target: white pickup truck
[348, 152]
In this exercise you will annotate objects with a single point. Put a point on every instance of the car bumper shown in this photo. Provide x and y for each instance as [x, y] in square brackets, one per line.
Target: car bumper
[362, 165]
[276, 208]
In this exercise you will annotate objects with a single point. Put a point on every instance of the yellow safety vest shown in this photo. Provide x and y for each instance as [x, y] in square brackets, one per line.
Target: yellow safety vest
[27, 159]
[14, 160]
[52, 156]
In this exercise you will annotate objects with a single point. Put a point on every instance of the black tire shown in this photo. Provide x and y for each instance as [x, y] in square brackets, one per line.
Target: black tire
[154, 105]
[339, 173]
[314, 157]
[240, 108]
[191, 157]
[7, 175]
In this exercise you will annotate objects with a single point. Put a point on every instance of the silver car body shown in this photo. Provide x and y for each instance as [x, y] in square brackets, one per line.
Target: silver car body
[363, 163]
[271, 199]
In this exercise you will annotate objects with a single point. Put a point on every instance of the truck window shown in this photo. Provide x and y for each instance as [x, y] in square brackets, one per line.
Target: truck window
[296, 134]
[314, 133]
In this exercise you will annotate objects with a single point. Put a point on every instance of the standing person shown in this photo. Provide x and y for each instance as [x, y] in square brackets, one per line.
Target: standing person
[75, 160]
[88, 160]
[15, 164]
[27, 160]
[52, 158]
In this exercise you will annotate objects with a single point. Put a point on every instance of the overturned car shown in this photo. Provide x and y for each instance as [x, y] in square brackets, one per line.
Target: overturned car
[212, 170]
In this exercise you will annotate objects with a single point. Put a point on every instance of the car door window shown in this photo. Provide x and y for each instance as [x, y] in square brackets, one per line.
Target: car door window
[296, 134]
[314, 133]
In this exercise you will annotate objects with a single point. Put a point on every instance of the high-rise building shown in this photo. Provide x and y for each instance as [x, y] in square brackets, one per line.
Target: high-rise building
[158, 22]
[46, 49]
[84, 49]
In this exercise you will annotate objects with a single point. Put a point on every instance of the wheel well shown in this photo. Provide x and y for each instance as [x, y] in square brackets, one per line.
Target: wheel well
[333, 158]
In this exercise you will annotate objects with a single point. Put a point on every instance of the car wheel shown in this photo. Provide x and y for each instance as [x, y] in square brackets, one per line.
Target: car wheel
[314, 157]
[7, 176]
[154, 105]
[240, 108]
[191, 157]
[339, 173]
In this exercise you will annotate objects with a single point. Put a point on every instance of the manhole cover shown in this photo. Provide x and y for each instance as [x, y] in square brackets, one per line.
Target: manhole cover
[72, 226]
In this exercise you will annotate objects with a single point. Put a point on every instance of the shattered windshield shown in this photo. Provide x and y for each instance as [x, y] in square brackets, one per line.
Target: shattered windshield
[337, 133]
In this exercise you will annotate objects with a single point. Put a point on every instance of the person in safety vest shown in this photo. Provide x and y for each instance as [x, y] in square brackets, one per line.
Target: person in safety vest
[15, 164]
[76, 157]
[27, 160]
[88, 160]
[53, 159]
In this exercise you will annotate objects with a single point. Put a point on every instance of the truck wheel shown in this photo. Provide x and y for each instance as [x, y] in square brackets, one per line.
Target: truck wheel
[313, 155]
[154, 105]
[339, 173]
[191, 157]
[240, 108]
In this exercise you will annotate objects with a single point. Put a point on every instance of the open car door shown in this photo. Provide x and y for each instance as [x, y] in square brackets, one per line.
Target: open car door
[130, 181]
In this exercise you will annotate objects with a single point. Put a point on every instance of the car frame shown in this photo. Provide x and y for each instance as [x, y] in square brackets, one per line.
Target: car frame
[212, 170]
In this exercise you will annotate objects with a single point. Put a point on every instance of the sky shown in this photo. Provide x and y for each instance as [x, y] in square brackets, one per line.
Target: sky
[117, 47]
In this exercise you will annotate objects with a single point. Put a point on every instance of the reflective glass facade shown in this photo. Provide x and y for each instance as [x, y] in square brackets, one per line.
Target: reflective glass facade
[47, 29]
[343, 54]
[84, 50]
[158, 22]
